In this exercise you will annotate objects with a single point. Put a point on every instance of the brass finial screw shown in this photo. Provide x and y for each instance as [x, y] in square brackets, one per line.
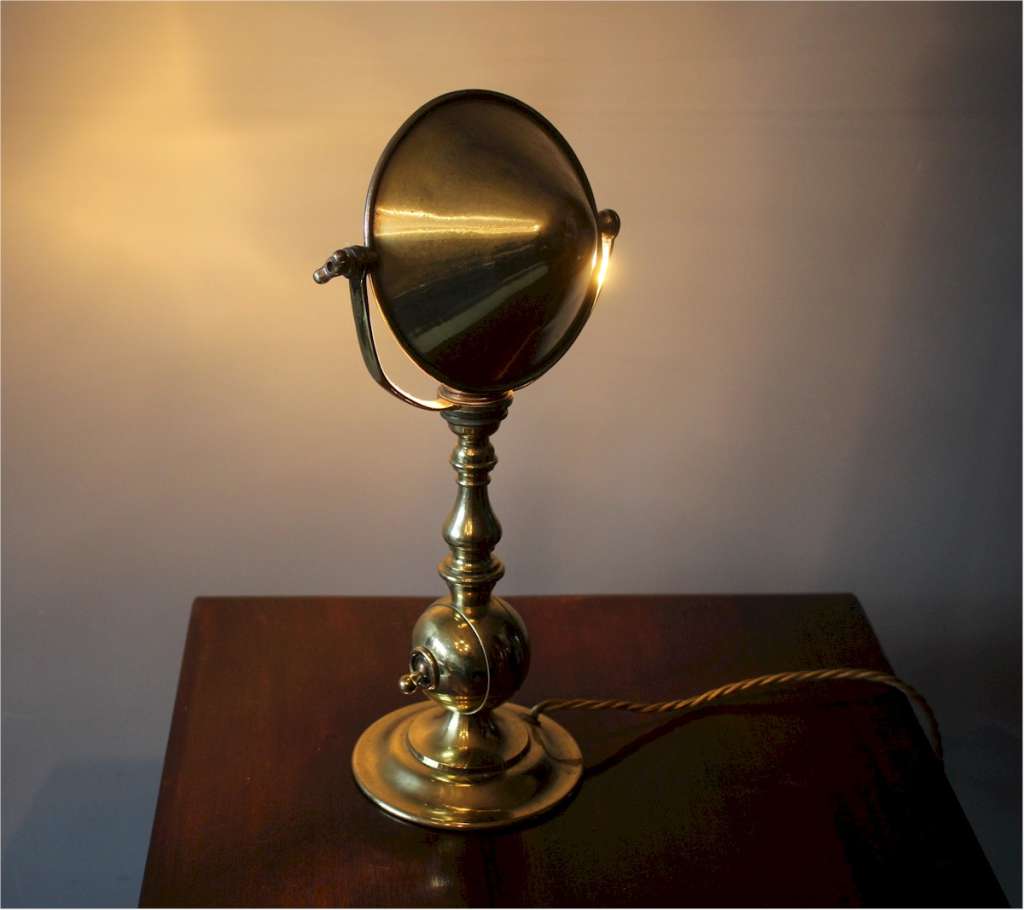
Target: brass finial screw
[345, 262]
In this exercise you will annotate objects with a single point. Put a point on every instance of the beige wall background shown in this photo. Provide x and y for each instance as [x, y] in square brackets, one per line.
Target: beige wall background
[804, 373]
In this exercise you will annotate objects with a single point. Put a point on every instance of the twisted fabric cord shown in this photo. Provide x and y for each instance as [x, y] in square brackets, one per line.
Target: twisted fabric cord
[744, 685]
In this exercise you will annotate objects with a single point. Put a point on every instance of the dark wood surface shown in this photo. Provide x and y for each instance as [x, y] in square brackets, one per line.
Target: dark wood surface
[827, 796]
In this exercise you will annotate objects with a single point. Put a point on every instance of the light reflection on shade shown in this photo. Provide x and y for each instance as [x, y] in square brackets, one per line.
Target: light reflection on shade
[606, 252]
[602, 269]
[435, 223]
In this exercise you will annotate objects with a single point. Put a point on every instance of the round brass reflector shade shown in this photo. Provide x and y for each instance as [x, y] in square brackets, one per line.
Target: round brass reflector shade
[487, 237]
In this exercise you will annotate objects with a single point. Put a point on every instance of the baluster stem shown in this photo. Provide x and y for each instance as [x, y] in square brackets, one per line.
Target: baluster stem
[472, 530]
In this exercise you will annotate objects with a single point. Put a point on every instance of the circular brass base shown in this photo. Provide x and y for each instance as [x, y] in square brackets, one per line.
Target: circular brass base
[396, 778]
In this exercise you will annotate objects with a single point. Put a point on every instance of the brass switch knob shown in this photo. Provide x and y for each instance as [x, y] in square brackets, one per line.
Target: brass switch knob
[422, 672]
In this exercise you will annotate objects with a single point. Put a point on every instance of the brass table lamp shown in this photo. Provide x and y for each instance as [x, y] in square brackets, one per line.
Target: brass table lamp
[486, 253]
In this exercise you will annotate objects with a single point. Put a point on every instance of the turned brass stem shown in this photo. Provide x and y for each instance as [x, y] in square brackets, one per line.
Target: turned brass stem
[472, 530]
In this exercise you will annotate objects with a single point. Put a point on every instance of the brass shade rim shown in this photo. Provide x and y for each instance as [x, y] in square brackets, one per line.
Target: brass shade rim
[586, 305]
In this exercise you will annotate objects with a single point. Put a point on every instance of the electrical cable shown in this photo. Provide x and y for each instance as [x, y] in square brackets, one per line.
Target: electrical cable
[745, 685]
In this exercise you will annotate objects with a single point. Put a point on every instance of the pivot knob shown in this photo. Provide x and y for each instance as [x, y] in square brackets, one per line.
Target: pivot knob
[422, 672]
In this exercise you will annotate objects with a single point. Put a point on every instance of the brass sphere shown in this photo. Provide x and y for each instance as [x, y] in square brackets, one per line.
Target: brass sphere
[477, 663]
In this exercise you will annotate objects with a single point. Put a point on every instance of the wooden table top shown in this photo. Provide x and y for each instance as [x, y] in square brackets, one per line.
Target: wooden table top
[822, 796]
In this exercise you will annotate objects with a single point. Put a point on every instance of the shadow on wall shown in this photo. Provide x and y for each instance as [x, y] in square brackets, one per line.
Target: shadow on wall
[935, 389]
[84, 840]
[984, 768]
[928, 439]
